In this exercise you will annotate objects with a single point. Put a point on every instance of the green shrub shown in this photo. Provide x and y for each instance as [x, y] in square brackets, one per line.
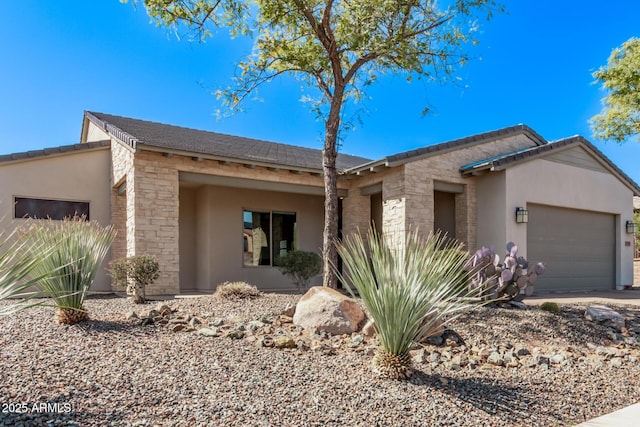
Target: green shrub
[234, 290]
[300, 266]
[407, 289]
[549, 306]
[76, 249]
[135, 273]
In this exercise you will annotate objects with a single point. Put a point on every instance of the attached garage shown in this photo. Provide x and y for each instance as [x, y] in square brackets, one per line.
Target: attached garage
[577, 246]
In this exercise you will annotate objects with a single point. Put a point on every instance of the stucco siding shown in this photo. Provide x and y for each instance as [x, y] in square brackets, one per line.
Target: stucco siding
[491, 211]
[218, 243]
[77, 176]
[555, 184]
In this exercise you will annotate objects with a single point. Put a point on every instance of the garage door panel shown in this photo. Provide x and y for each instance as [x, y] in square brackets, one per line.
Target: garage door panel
[578, 248]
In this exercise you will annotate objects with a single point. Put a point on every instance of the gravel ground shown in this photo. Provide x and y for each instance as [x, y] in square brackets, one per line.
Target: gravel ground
[500, 367]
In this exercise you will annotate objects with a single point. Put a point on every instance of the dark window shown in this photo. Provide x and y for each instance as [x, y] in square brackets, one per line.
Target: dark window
[26, 207]
[267, 235]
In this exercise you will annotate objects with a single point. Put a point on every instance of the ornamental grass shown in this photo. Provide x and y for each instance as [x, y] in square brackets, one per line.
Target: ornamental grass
[407, 287]
[75, 249]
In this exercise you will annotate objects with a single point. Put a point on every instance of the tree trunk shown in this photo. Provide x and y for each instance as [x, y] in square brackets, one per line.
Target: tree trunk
[329, 154]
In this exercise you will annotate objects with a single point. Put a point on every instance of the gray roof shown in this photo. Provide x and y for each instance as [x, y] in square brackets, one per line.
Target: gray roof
[456, 144]
[64, 149]
[145, 134]
[504, 160]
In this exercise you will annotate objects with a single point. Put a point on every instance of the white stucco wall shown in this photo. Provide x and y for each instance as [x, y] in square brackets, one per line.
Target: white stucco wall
[212, 215]
[76, 176]
[551, 183]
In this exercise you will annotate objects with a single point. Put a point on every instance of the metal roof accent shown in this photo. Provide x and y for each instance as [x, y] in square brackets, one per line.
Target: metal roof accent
[503, 161]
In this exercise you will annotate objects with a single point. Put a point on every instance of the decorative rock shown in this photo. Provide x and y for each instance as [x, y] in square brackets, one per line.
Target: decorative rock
[284, 341]
[289, 310]
[178, 327]
[216, 322]
[195, 322]
[417, 356]
[495, 359]
[435, 340]
[522, 352]
[518, 304]
[616, 362]
[557, 359]
[286, 319]
[328, 310]
[235, 334]
[164, 310]
[434, 357]
[132, 315]
[208, 332]
[601, 313]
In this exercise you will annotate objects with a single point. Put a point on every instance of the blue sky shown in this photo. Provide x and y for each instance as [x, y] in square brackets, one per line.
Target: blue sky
[533, 66]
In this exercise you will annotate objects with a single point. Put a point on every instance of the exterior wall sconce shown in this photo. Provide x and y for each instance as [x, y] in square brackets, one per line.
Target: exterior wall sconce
[631, 227]
[522, 215]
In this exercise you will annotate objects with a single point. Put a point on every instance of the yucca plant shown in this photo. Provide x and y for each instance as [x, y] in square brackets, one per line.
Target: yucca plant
[77, 247]
[17, 266]
[407, 289]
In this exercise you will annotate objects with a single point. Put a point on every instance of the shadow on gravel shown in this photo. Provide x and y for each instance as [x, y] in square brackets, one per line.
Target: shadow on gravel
[515, 405]
[108, 326]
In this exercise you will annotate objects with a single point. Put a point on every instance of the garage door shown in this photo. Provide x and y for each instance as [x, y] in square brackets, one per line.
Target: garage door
[578, 248]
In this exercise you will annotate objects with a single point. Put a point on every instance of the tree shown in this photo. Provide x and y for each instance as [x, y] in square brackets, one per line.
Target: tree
[336, 48]
[620, 117]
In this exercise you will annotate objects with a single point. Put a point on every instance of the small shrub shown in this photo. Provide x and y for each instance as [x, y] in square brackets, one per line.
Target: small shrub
[549, 306]
[236, 290]
[300, 266]
[135, 273]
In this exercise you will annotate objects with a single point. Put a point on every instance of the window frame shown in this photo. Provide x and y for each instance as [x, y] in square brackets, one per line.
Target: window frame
[270, 234]
[29, 215]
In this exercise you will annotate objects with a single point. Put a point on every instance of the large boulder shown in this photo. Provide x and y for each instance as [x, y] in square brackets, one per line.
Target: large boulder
[328, 310]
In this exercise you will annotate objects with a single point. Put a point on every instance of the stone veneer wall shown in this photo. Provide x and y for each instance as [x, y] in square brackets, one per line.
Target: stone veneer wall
[152, 203]
[407, 190]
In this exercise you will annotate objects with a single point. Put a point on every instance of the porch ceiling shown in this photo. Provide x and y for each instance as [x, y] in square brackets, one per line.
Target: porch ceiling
[191, 178]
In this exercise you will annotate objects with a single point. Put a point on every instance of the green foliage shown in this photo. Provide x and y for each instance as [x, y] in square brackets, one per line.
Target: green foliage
[236, 290]
[335, 49]
[135, 273]
[77, 248]
[549, 306]
[407, 287]
[300, 266]
[17, 265]
[620, 117]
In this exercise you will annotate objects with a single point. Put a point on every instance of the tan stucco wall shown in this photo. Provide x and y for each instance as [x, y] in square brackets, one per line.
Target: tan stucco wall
[636, 272]
[76, 176]
[212, 217]
[552, 183]
[491, 211]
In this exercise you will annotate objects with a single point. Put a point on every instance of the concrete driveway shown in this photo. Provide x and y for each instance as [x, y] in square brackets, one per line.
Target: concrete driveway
[630, 297]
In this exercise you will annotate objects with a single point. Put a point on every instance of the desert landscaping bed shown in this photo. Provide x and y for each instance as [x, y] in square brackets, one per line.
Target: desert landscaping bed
[497, 366]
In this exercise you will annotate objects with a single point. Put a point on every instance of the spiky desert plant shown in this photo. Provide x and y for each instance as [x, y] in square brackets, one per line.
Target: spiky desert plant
[78, 248]
[407, 289]
[16, 270]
